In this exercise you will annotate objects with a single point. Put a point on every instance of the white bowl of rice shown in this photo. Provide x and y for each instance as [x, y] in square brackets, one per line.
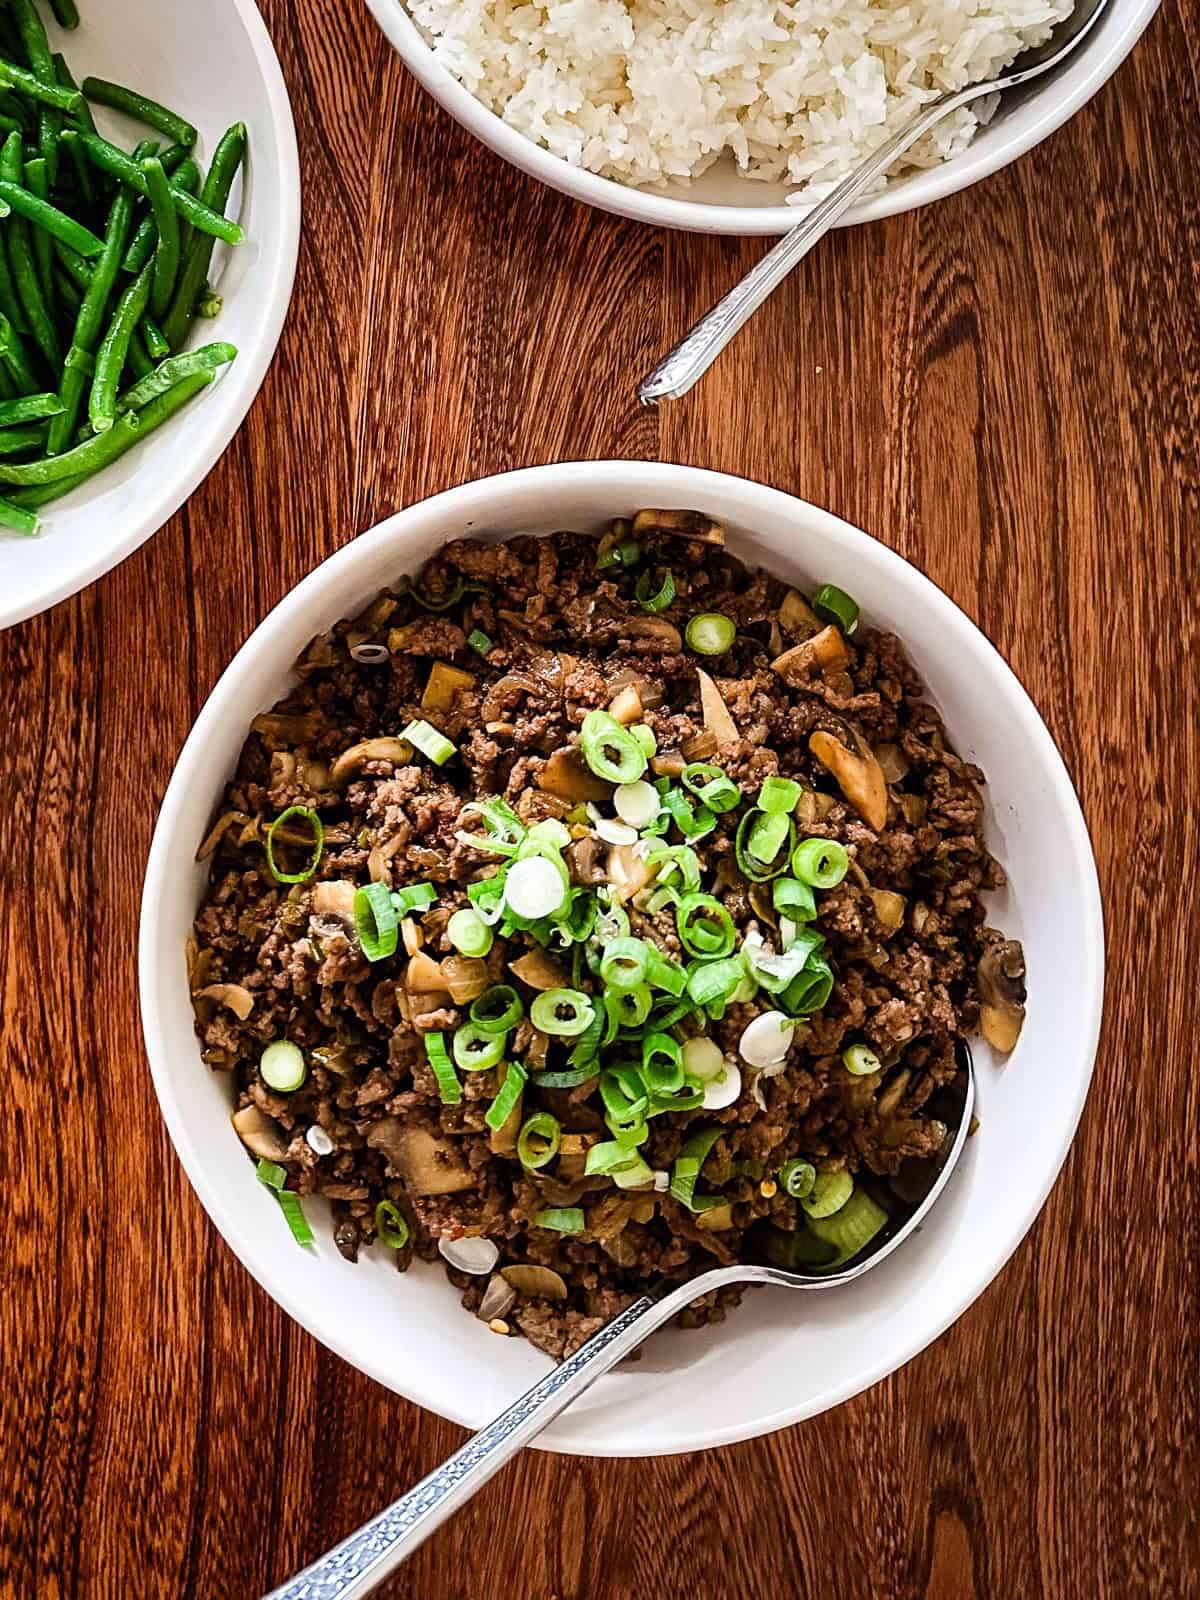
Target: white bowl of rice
[730, 116]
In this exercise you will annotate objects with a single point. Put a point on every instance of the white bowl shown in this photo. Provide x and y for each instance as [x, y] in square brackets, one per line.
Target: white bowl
[782, 1356]
[215, 64]
[723, 201]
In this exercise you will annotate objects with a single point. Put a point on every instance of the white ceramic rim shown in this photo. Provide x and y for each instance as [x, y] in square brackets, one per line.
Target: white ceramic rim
[457, 508]
[664, 211]
[240, 384]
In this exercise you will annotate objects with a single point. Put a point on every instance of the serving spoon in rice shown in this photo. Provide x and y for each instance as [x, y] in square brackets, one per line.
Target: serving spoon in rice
[691, 358]
[354, 1567]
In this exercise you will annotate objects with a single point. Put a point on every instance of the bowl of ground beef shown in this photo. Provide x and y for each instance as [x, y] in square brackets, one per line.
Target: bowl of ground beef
[586, 878]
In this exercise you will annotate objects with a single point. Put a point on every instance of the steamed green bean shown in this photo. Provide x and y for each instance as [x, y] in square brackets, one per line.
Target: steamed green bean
[141, 108]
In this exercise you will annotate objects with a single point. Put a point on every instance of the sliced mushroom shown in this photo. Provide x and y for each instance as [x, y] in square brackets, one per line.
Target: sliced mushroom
[411, 935]
[655, 629]
[626, 706]
[287, 728]
[427, 1164]
[627, 870]
[352, 761]
[716, 1219]
[539, 970]
[334, 899]
[568, 776]
[893, 763]
[1002, 994]
[686, 524]
[217, 832]
[260, 1133]
[914, 807]
[537, 1283]
[889, 908]
[498, 1299]
[889, 1101]
[466, 977]
[444, 686]
[858, 776]
[670, 763]
[824, 649]
[717, 719]
[583, 859]
[797, 616]
[698, 748]
[237, 998]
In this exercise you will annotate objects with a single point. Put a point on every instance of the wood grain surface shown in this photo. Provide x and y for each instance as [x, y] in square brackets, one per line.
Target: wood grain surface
[1003, 388]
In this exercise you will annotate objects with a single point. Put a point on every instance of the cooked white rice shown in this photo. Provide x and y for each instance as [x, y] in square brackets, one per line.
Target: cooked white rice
[653, 91]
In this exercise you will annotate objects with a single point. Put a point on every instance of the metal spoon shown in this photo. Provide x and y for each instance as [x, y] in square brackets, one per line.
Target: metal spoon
[691, 358]
[353, 1568]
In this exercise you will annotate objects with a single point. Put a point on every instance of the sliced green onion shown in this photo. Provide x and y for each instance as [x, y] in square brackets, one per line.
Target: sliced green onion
[714, 982]
[694, 822]
[538, 1140]
[662, 1063]
[829, 1194]
[610, 750]
[705, 927]
[636, 1175]
[851, 1228]
[676, 861]
[562, 1219]
[588, 1042]
[390, 1227]
[498, 1009]
[711, 786]
[630, 1007]
[271, 1174]
[457, 589]
[423, 736]
[624, 1096]
[480, 643]
[821, 862]
[469, 933]
[625, 553]
[645, 739]
[487, 896]
[503, 1106]
[666, 974]
[625, 963]
[443, 1069]
[861, 1062]
[798, 1177]
[562, 1012]
[293, 1212]
[778, 795]
[651, 599]
[282, 1066]
[413, 897]
[811, 990]
[375, 921]
[506, 831]
[711, 634]
[835, 605]
[475, 1050]
[761, 845]
[568, 1078]
[605, 1158]
[794, 899]
[318, 833]
[691, 1158]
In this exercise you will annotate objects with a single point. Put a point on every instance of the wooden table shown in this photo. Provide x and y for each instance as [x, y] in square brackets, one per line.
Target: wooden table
[1003, 388]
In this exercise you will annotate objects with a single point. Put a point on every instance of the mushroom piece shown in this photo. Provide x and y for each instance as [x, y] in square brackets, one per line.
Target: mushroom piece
[539, 970]
[717, 720]
[656, 629]
[626, 706]
[261, 1135]
[424, 975]
[889, 908]
[686, 524]
[716, 1219]
[858, 776]
[824, 649]
[466, 977]
[217, 832]
[498, 1299]
[583, 859]
[238, 999]
[539, 1283]
[444, 685]
[797, 617]
[287, 728]
[428, 1164]
[352, 761]
[892, 761]
[334, 898]
[1002, 994]
[627, 870]
[568, 776]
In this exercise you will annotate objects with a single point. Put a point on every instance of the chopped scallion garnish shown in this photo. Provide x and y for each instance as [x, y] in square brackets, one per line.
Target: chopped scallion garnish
[651, 599]
[390, 1227]
[562, 1219]
[505, 1103]
[835, 605]
[823, 863]
[318, 844]
[711, 634]
[469, 933]
[565, 1013]
[443, 1069]
[480, 643]
[423, 736]
[611, 750]
[538, 1140]
[375, 921]
[282, 1067]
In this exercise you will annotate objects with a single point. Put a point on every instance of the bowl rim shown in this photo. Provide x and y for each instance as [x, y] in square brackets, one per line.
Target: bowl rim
[239, 386]
[1098, 63]
[469, 504]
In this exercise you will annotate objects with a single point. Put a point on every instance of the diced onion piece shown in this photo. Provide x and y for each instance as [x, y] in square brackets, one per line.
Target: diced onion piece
[723, 1091]
[636, 803]
[766, 1041]
[703, 1059]
[476, 1256]
[282, 1066]
[662, 1181]
[615, 832]
[318, 1140]
[534, 888]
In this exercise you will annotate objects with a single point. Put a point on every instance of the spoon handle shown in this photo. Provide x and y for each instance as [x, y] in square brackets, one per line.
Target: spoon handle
[691, 358]
[352, 1568]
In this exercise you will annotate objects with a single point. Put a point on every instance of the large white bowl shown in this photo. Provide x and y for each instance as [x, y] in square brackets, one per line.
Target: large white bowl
[215, 64]
[722, 201]
[782, 1356]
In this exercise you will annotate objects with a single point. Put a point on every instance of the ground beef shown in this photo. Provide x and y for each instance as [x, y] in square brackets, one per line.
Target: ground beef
[545, 638]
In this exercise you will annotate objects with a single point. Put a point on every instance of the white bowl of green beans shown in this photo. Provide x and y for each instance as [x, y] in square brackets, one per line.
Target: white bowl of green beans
[149, 229]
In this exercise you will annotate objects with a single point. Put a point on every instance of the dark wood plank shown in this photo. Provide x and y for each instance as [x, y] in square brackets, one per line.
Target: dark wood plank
[1006, 390]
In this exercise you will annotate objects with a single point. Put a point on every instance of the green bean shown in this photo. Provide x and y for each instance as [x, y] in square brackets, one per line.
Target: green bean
[83, 172]
[139, 362]
[193, 276]
[153, 335]
[109, 159]
[209, 358]
[105, 448]
[70, 298]
[90, 320]
[8, 389]
[37, 48]
[82, 112]
[73, 264]
[21, 258]
[46, 216]
[34, 499]
[186, 176]
[17, 518]
[13, 354]
[37, 183]
[142, 109]
[65, 14]
[9, 304]
[166, 252]
[16, 441]
[110, 363]
[47, 94]
[29, 408]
